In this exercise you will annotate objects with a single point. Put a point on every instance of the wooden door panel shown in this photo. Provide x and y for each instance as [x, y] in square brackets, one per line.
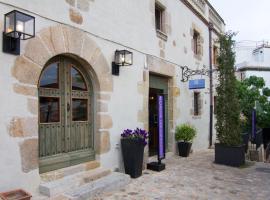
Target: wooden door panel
[51, 140]
[66, 140]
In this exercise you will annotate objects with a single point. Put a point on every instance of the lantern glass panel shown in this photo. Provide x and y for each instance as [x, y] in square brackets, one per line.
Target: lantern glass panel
[25, 25]
[119, 58]
[128, 58]
[19, 25]
[9, 23]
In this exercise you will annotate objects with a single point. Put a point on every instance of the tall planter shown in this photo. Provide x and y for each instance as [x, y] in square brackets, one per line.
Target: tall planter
[184, 148]
[230, 155]
[230, 149]
[133, 151]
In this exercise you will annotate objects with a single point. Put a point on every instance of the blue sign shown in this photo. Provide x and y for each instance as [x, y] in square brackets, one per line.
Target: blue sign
[197, 84]
[161, 133]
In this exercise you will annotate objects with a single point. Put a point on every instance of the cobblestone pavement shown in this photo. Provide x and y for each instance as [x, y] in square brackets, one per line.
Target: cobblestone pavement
[197, 177]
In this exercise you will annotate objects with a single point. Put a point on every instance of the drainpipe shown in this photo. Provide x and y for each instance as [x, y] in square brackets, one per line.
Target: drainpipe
[211, 86]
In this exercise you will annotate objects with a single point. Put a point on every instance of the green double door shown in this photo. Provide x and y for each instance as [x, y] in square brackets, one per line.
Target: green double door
[65, 115]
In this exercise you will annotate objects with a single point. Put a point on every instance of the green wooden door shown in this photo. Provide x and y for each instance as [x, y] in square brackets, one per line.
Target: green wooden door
[65, 115]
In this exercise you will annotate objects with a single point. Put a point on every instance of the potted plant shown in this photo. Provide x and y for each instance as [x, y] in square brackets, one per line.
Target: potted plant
[133, 143]
[230, 149]
[184, 135]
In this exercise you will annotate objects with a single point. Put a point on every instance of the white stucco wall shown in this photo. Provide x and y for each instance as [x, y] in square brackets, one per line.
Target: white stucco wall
[121, 24]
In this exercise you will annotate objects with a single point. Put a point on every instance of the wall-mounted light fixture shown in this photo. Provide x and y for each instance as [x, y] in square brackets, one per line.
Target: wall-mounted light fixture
[121, 58]
[18, 26]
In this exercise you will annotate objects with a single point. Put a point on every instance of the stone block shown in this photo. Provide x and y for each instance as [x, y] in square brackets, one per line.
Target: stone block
[105, 121]
[51, 176]
[142, 116]
[37, 52]
[29, 154]
[90, 49]
[73, 39]
[104, 97]
[103, 107]
[23, 127]
[59, 186]
[106, 83]
[161, 67]
[26, 71]
[25, 90]
[71, 2]
[75, 16]
[162, 53]
[54, 39]
[83, 5]
[32, 105]
[113, 182]
[105, 144]
[142, 89]
[71, 182]
[92, 165]
[93, 175]
[100, 65]
[176, 92]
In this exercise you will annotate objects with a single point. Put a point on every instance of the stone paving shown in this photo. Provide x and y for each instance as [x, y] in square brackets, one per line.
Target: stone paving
[197, 177]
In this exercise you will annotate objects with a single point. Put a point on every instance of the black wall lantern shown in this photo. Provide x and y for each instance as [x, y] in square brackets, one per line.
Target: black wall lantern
[18, 26]
[121, 58]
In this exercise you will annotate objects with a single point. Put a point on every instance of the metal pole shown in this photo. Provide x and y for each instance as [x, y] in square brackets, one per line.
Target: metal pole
[211, 86]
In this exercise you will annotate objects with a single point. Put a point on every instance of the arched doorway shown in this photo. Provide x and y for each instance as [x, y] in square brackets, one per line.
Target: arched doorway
[65, 115]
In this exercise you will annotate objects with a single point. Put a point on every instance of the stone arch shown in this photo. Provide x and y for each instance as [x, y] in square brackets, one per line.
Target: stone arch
[50, 42]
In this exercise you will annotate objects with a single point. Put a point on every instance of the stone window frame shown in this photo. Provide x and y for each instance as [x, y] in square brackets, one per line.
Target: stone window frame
[161, 31]
[215, 55]
[193, 113]
[196, 103]
[198, 50]
[196, 42]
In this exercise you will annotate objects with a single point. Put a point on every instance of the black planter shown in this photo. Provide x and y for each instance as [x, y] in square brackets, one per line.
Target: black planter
[184, 148]
[230, 155]
[132, 151]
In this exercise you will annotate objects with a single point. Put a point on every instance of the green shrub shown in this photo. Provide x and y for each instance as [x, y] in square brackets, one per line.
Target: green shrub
[185, 132]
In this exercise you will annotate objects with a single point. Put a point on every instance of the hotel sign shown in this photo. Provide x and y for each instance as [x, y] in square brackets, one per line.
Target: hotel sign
[161, 128]
[197, 84]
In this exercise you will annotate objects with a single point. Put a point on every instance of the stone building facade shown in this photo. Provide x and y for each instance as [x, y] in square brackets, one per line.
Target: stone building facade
[83, 35]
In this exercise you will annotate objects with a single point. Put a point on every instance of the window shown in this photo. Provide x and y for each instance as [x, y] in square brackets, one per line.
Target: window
[79, 109]
[196, 103]
[78, 82]
[159, 17]
[49, 109]
[50, 77]
[196, 42]
[215, 55]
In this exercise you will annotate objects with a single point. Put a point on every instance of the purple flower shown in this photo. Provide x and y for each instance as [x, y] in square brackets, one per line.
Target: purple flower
[136, 134]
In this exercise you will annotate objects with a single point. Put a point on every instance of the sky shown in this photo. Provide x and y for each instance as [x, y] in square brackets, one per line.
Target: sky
[249, 18]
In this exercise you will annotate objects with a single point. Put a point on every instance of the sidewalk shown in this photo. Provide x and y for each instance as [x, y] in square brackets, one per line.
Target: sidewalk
[197, 177]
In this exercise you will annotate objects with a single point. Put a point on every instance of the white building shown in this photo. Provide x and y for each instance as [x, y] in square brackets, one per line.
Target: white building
[60, 104]
[254, 61]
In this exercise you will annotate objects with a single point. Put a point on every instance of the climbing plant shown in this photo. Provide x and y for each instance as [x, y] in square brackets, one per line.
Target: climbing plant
[227, 107]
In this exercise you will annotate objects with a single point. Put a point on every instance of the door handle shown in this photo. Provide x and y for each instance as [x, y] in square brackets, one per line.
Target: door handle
[68, 107]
